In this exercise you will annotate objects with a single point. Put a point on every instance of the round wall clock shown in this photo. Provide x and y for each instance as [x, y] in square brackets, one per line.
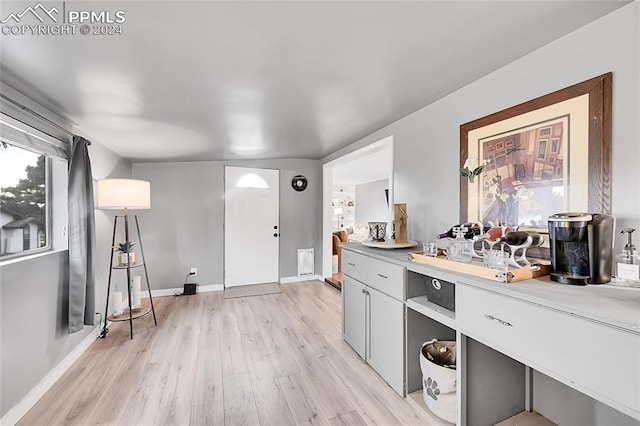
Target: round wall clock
[299, 183]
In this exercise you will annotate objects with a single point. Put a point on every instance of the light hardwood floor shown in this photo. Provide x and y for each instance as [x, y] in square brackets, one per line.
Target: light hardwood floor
[277, 359]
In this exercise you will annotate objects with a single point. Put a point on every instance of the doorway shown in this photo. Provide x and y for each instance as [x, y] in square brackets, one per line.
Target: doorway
[373, 162]
[251, 226]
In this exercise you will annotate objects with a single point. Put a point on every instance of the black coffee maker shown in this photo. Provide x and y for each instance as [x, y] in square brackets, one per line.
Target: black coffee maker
[581, 247]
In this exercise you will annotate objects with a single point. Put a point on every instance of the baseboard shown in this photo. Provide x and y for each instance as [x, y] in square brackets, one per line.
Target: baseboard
[17, 412]
[173, 291]
[300, 278]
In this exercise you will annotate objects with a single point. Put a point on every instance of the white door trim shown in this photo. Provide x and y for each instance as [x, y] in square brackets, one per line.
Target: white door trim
[327, 193]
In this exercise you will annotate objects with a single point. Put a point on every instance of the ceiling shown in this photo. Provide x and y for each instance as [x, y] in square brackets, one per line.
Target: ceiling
[232, 80]
[363, 169]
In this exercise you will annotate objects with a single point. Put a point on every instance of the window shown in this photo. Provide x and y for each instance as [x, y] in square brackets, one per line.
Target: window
[252, 180]
[542, 149]
[24, 205]
[33, 190]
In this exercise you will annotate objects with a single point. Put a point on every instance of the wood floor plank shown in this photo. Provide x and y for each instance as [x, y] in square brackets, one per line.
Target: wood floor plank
[351, 418]
[304, 404]
[282, 359]
[272, 331]
[211, 333]
[371, 406]
[270, 400]
[233, 357]
[246, 320]
[117, 392]
[239, 404]
[333, 401]
[267, 323]
[146, 399]
[175, 404]
[275, 359]
[53, 403]
[208, 397]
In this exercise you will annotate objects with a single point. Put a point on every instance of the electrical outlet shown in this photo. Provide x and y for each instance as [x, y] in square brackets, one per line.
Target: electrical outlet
[193, 271]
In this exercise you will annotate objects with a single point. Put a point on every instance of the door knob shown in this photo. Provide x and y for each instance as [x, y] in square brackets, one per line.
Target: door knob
[275, 234]
[275, 226]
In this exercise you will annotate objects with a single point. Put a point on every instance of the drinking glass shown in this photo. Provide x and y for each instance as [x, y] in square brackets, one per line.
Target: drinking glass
[497, 259]
[430, 249]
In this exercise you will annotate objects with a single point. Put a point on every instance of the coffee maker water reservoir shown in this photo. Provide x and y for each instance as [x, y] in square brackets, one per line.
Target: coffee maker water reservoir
[581, 247]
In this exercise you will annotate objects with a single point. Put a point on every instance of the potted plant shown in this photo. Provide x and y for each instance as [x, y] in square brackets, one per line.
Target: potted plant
[127, 256]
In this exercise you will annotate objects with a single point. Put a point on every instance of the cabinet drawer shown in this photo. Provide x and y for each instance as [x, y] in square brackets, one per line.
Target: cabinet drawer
[383, 276]
[353, 265]
[597, 359]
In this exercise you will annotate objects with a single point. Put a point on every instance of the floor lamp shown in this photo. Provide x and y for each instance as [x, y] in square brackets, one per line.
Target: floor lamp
[126, 194]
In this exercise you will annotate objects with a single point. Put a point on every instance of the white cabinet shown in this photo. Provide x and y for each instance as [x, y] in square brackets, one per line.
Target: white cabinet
[535, 345]
[385, 338]
[354, 314]
[373, 322]
[581, 353]
[383, 276]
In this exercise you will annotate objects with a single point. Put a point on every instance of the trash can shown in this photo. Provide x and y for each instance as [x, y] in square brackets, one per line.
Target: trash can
[438, 365]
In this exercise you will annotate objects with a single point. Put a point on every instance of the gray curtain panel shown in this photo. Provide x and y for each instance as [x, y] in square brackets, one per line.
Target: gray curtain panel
[81, 238]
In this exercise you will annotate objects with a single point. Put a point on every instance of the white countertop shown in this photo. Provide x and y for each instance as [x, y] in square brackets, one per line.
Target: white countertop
[605, 303]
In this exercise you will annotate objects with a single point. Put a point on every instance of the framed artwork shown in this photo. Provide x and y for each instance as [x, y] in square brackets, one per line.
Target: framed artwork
[548, 155]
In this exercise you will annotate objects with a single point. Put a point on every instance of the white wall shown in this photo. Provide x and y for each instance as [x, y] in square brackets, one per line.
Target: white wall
[426, 150]
[426, 153]
[34, 293]
[184, 227]
[371, 203]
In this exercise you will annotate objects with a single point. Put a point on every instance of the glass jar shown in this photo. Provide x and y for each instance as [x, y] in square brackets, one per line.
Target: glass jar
[460, 249]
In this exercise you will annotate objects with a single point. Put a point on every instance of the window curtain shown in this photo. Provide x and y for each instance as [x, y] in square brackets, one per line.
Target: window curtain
[81, 238]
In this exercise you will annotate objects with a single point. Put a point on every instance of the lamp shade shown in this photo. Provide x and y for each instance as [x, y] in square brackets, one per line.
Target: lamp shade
[133, 194]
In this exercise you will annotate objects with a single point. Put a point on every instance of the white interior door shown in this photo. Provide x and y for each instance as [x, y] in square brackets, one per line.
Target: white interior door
[252, 228]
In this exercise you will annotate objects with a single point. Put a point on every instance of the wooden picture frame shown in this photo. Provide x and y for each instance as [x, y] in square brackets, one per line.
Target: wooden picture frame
[521, 181]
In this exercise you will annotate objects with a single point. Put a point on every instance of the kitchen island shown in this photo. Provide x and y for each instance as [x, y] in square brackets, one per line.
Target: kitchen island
[522, 347]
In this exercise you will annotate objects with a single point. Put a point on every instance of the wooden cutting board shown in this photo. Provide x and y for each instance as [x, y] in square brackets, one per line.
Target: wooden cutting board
[537, 268]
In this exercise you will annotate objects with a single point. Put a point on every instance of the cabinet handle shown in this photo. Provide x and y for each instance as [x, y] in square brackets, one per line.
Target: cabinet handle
[498, 320]
[351, 264]
[363, 292]
[383, 276]
[367, 293]
[436, 284]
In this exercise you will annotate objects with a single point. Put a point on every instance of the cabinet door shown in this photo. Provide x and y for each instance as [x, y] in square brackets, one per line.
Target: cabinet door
[353, 314]
[385, 338]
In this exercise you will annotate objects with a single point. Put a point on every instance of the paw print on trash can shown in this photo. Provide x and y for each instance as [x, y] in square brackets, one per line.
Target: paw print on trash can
[432, 388]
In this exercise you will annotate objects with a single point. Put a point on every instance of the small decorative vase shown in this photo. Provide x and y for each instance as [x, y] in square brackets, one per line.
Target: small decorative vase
[377, 231]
